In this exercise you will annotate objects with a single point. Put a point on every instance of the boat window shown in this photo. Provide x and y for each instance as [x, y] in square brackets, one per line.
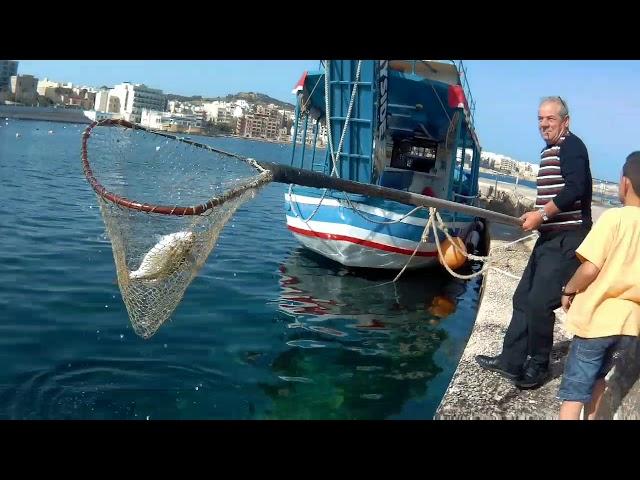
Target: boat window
[414, 154]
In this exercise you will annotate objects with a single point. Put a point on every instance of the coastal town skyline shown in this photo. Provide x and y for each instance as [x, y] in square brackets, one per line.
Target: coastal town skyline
[506, 94]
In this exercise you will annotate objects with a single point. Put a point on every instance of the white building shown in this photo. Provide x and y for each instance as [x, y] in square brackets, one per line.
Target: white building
[211, 109]
[43, 85]
[242, 103]
[505, 164]
[132, 98]
[222, 112]
[172, 122]
[237, 111]
[97, 116]
[321, 141]
[176, 106]
[102, 100]
[225, 112]
[289, 115]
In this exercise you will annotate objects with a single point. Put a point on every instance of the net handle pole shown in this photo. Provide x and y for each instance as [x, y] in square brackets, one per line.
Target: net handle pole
[287, 174]
[281, 174]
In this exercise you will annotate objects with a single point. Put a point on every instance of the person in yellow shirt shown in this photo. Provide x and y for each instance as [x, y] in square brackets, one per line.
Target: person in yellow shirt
[603, 299]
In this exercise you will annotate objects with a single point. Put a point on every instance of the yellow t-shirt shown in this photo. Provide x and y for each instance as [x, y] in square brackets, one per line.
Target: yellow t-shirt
[611, 304]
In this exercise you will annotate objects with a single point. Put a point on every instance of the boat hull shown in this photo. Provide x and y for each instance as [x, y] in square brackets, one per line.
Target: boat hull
[363, 232]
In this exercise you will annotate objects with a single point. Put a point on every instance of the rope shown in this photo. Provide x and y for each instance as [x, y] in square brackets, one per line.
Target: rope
[435, 222]
[441, 104]
[443, 227]
[358, 212]
[503, 272]
[433, 211]
[345, 194]
[466, 197]
[329, 138]
[488, 260]
[423, 239]
[335, 156]
[347, 117]
[299, 213]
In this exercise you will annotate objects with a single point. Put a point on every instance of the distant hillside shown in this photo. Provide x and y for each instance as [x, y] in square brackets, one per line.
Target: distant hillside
[251, 97]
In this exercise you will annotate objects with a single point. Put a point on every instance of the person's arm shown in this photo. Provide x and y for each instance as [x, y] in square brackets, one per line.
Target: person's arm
[532, 220]
[584, 276]
[593, 253]
[574, 166]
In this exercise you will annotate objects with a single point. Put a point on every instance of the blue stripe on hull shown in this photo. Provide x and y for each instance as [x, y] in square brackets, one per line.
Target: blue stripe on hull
[346, 215]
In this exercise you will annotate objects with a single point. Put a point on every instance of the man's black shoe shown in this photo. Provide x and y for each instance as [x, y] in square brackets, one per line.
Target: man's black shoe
[493, 364]
[534, 377]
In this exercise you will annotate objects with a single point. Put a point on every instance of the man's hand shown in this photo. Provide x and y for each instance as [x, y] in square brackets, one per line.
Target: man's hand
[566, 302]
[532, 220]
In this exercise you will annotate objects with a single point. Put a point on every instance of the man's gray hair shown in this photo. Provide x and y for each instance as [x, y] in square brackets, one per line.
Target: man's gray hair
[564, 109]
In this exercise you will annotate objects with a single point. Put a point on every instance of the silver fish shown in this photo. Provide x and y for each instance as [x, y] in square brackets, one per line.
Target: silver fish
[165, 257]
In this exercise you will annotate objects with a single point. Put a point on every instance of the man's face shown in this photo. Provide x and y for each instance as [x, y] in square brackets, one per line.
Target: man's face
[551, 125]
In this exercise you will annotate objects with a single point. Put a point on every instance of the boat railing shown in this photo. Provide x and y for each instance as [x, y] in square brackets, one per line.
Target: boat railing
[462, 72]
[466, 88]
[462, 78]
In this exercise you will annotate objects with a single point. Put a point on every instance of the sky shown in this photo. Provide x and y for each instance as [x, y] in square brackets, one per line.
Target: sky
[603, 96]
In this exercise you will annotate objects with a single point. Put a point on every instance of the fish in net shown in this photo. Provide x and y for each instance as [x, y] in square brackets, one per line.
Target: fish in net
[164, 201]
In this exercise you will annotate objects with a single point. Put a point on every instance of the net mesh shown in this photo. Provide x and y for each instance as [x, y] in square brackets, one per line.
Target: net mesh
[144, 181]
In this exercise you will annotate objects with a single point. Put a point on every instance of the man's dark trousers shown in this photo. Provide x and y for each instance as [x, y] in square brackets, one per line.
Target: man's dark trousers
[551, 265]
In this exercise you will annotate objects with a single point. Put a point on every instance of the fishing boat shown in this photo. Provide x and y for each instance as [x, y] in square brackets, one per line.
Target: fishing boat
[401, 124]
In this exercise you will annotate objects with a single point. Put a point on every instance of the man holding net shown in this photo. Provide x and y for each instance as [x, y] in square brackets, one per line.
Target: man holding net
[563, 219]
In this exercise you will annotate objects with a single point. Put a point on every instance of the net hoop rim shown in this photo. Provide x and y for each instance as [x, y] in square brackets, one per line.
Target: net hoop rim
[264, 177]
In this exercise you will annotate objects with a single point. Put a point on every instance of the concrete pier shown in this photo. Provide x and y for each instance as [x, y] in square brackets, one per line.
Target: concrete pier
[474, 393]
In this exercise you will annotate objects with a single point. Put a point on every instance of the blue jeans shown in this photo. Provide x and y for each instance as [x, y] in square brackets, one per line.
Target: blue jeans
[589, 360]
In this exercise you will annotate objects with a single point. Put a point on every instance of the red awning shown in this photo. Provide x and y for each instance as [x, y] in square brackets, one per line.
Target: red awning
[300, 85]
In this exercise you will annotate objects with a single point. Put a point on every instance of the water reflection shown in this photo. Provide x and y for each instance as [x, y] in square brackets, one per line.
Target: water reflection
[359, 346]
